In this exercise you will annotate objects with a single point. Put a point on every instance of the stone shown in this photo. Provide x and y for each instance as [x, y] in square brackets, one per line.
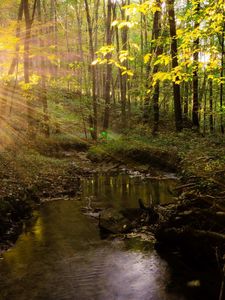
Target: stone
[113, 221]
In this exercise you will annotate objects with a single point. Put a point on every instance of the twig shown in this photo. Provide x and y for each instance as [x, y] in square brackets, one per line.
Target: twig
[184, 186]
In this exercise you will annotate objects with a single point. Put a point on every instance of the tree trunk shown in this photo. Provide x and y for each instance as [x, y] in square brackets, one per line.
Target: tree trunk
[15, 59]
[174, 53]
[107, 95]
[186, 99]
[94, 118]
[43, 95]
[211, 105]
[28, 24]
[222, 75]
[158, 51]
[123, 78]
[195, 111]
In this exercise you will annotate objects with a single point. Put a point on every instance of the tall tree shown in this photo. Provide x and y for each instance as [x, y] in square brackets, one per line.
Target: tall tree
[174, 54]
[18, 30]
[42, 70]
[94, 117]
[107, 94]
[195, 111]
[158, 51]
[222, 75]
[28, 25]
[123, 77]
[211, 105]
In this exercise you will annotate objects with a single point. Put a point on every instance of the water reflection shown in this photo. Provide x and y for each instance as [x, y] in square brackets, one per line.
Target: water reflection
[124, 191]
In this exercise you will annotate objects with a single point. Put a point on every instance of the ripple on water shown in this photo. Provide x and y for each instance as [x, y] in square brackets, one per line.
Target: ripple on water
[109, 273]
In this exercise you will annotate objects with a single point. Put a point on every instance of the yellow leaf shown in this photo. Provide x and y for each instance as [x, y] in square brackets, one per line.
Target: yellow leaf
[147, 58]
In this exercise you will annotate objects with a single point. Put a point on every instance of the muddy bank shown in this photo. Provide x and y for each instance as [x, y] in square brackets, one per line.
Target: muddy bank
[22, 190]
[15, 208]
[156, 158]
[58, 147]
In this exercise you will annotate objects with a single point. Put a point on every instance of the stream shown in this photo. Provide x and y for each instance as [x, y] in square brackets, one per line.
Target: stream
[60, 254]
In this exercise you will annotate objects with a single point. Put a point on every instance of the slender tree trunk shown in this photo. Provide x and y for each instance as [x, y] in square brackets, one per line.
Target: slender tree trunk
[211, 106]
[142, 46]
[94, 118]
[205, 109]
[27, 42]
[202, 91]
[80, 47]
[28, 24]
[52, 32]
[186, 100]
[222, 75]
[95, 26]
[108, 67]
[123, 78]
[159, 51]
[146, 106]
[46, 128]
[82, 74]
[148, 84]
[119, 82]
[195, 111]
[186, 84]
[174, 53]
[57, 66]
[15, 59]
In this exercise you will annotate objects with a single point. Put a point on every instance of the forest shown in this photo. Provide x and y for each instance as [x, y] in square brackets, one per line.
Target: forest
[112, 149]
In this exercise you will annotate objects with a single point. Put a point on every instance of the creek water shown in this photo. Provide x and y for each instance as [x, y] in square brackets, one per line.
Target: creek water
[60, 254]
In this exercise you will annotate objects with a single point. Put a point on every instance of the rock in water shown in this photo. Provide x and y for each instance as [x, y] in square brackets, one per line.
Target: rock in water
[113, 221]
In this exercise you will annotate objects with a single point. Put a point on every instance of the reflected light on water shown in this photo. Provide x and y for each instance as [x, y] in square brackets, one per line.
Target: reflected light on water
[38, 229]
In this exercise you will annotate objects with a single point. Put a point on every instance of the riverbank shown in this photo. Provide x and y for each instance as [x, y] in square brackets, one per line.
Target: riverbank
[194, 226]
[34, 172]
